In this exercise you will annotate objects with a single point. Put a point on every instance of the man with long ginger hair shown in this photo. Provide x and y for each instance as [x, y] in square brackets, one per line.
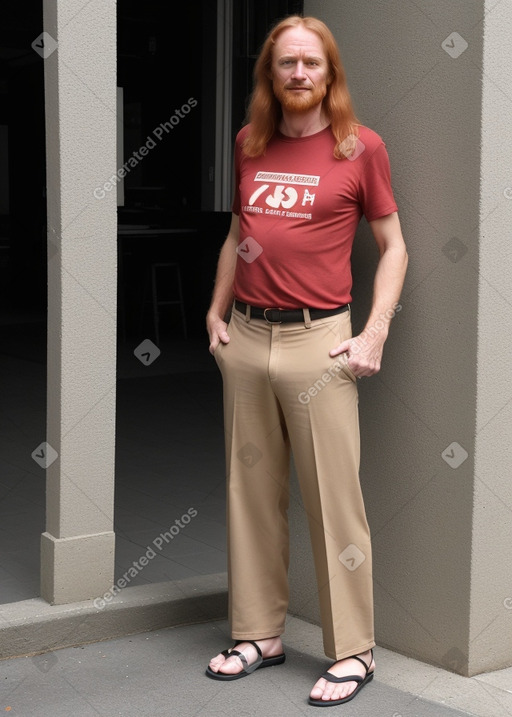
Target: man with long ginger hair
[306, 172]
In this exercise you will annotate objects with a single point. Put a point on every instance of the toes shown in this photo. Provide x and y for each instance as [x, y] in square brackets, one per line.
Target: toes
[329, 690]
[216, 662]
[231, 665]
[343, 690]
[318, 690]
[226, 665]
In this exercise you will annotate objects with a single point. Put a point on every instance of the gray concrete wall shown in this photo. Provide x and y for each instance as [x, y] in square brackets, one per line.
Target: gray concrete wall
[436, 421]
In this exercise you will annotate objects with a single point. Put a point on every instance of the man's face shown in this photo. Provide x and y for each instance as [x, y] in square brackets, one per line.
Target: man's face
[300, 72]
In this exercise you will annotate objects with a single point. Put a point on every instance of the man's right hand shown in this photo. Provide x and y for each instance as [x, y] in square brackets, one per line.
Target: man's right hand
[222, 297]
[217, 332]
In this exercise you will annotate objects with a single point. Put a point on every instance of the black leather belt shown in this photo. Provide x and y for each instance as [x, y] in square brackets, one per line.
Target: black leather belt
[280, 316]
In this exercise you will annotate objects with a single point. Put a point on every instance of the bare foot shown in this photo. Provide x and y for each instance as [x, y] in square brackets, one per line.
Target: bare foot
[330, 691]
[232, 664]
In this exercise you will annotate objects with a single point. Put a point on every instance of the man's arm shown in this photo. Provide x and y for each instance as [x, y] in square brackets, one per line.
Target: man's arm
[364, 352]
[222, 297]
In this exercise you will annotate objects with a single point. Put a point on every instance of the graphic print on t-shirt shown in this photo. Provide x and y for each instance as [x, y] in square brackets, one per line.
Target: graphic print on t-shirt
[283, 194]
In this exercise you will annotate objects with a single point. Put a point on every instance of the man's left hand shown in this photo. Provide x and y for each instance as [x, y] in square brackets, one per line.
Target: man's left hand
[364, 355]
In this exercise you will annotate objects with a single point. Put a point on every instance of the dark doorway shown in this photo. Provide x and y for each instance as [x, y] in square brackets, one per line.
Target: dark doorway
[170, 432]
[167, 72]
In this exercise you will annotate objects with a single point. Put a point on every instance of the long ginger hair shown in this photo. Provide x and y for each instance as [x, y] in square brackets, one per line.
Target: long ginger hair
[264, 111]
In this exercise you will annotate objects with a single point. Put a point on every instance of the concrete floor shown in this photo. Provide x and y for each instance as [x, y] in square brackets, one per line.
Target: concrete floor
[162, 673]
[163, 470]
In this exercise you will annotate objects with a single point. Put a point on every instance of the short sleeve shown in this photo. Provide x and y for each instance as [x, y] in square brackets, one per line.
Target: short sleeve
[375, 191]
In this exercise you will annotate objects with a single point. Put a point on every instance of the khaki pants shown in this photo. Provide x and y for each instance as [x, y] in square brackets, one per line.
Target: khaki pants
[283, 391]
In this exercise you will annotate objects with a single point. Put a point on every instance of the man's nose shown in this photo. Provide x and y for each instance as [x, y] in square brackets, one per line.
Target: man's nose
[299, 71]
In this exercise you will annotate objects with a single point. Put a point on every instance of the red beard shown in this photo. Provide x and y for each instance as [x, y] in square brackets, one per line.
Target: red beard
[299, 101]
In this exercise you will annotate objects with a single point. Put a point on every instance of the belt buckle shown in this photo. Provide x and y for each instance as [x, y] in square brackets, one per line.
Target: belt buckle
[268, 320]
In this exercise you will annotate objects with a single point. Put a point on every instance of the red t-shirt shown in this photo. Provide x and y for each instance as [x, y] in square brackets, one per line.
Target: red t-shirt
[299, 208]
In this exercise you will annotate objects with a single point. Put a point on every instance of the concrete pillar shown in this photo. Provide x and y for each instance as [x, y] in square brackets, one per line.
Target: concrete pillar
[79, 50]
[436, 423]
[490, 631]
